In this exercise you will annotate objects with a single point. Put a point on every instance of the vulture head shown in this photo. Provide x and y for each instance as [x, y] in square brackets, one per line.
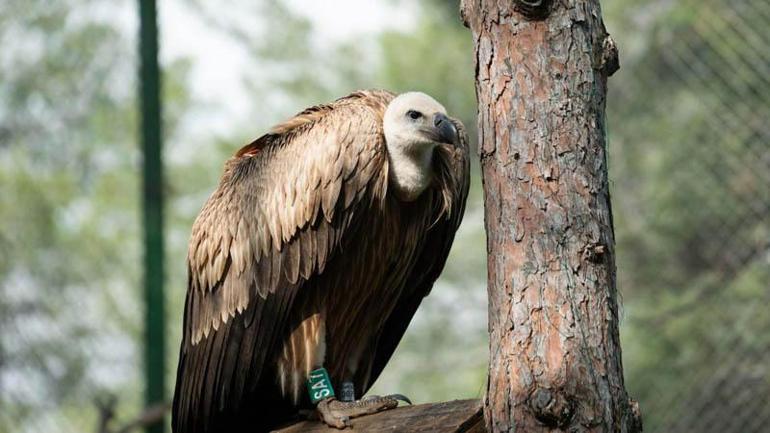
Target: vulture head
[414, 124]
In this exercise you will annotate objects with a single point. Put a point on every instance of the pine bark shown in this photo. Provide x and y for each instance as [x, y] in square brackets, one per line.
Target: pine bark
[555, 359]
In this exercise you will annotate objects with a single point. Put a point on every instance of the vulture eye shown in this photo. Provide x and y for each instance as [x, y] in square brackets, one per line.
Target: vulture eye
[414, 115]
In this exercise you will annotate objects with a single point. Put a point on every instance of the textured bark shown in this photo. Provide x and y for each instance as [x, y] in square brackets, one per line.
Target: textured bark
[555, 361]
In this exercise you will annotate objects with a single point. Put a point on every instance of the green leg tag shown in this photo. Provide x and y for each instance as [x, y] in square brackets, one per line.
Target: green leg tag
[319, 386]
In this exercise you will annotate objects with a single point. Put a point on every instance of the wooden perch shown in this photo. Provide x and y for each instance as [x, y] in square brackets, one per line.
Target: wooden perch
[458, 416]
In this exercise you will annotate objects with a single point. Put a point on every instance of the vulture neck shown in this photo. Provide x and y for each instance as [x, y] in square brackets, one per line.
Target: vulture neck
[410, 169]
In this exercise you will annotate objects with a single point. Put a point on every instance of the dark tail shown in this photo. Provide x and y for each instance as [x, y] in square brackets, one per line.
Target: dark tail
[224, 383]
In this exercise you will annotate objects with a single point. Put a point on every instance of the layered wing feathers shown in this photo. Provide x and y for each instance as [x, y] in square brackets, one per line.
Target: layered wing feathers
[284, 202]
[271, 215]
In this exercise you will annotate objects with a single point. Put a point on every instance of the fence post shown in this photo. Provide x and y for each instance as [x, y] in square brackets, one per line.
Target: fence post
[152, 209]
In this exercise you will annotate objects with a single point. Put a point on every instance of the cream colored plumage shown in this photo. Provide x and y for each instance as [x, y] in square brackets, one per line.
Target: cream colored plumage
[315, 251]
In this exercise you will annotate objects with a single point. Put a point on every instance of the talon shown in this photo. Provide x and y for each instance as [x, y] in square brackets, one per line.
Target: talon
[397, 397]
[401, 397]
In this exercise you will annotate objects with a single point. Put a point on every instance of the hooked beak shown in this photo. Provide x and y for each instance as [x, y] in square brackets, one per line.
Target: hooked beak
[444, 129]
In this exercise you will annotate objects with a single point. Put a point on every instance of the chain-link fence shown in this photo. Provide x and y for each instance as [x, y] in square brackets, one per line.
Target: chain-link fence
[690, 140]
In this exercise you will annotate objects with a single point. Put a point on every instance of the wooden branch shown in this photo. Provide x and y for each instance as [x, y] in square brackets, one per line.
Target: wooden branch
[458, 416]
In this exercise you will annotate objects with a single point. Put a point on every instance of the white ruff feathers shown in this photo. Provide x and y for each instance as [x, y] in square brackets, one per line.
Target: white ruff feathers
[410, 151]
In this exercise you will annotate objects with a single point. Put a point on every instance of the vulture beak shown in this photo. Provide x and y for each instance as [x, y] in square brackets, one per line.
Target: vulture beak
[444, 128]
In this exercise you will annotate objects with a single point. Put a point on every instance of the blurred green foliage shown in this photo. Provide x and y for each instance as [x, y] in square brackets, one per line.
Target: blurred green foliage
[67, 203]
[689, 164]
[69, 191]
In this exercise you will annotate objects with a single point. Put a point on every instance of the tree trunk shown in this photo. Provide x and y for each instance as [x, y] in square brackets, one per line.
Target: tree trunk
[541, 74]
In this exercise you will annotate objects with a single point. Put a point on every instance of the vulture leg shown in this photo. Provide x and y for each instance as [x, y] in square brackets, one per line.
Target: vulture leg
[337, 413]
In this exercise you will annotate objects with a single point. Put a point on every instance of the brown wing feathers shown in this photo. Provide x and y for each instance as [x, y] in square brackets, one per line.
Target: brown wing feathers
[263, 205]
[282, 206]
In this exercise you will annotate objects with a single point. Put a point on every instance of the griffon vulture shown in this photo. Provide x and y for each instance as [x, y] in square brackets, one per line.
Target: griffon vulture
[314, 252]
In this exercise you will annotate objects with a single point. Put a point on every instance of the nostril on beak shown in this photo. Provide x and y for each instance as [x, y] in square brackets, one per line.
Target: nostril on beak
[445, 128]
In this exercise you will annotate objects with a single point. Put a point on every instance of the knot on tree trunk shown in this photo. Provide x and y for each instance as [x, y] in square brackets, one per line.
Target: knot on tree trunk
[636, 416]
[594, 253]
[610, 61]
[465, 13]
[533, 9]
[551, 407]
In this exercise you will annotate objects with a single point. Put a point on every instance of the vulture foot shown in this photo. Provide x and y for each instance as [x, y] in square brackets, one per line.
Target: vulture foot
[337, 413]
